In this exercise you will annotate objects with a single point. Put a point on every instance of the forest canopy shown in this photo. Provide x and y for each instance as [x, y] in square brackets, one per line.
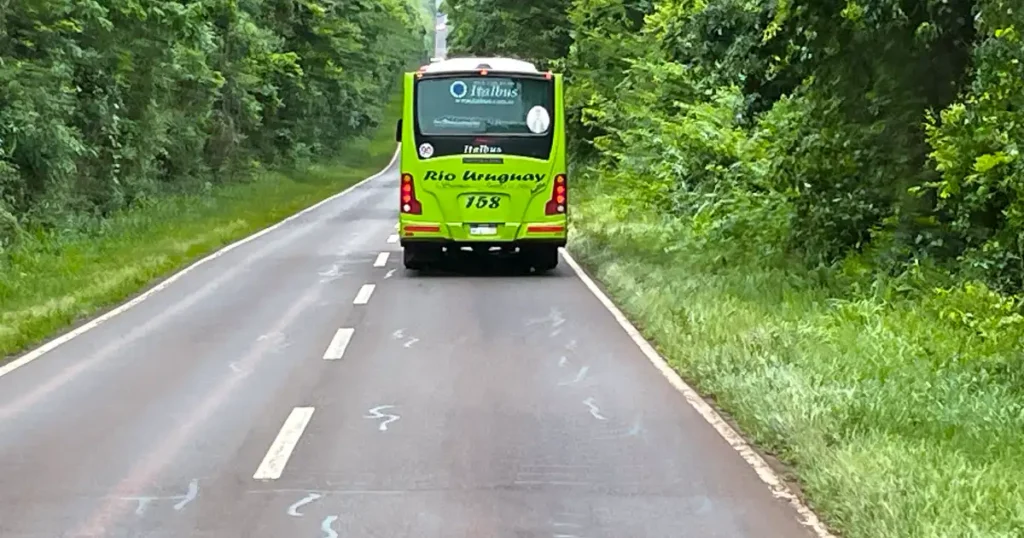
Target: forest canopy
[109, 104]
[880, 131]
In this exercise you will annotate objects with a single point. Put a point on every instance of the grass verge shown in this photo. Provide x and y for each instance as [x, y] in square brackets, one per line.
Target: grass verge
[47, 286]
[900, 418]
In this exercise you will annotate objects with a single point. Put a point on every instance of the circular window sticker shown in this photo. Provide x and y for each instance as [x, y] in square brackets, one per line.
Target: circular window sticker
[538, 119]
[458, 89]
[426, 150]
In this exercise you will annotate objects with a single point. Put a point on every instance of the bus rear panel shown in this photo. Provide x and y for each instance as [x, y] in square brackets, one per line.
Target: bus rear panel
[482, 164]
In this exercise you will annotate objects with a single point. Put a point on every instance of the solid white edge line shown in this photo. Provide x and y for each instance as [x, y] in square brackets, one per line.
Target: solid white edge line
[363, 296]
[281, 449]
[382, 259]
[393, 238]
[95, 322]
[768, 475]
[338, 344]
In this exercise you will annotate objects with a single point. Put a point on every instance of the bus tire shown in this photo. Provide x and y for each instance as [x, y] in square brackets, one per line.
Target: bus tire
[420, 257]
[415, 257]
[544, 258]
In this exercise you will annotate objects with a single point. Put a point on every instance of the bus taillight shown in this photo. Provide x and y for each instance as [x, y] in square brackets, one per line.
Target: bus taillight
[410, 204]
[559, 194]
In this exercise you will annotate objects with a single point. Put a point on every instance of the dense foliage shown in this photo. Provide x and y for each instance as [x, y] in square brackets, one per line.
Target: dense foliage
[881, 131]
[535, 30]
[103, 105]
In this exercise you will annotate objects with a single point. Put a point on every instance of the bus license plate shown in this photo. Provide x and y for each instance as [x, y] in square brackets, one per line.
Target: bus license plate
[483, 229]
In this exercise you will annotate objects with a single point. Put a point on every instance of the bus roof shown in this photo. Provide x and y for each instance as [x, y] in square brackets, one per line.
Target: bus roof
[496, 64]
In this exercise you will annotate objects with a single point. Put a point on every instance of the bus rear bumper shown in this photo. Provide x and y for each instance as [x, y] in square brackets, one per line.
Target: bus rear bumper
[532, 234]
[484, 245]
[539, 253]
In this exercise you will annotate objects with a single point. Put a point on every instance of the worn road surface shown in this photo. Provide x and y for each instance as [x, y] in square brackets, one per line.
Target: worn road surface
[304, 385]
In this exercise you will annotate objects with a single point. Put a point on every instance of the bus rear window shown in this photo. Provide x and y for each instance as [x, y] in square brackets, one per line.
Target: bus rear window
[476, 105]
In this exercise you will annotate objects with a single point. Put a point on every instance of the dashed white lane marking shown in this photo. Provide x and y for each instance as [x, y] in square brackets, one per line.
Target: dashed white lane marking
[338, 344]
[60, 340]
[396, 225]
[364, 294]
[281, 449]
[382, 259]
[764, 471]
[393, 238]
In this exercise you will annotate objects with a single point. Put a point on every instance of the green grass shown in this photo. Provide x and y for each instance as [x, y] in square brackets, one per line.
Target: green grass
[900, 419]
[49, 285]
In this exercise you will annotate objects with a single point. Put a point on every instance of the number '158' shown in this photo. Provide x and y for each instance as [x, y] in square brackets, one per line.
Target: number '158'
[483, 201]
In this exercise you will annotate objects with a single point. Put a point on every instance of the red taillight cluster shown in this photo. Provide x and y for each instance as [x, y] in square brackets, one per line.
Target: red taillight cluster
[409, 202]
[558, 199]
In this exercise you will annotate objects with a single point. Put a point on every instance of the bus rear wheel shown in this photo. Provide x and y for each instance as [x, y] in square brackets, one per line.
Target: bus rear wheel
[543, 258]
[420, 257]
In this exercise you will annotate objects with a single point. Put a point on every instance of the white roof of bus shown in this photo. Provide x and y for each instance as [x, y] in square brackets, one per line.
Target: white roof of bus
[509, 65]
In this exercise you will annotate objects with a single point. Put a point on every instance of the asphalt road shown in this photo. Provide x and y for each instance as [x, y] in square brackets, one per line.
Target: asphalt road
[449, 406]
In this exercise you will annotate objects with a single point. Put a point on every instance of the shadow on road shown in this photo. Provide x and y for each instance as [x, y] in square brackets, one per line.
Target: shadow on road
[467, 264]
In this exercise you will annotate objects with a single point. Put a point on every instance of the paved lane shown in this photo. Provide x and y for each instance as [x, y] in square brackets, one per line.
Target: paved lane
[169, 391]
[303, 385]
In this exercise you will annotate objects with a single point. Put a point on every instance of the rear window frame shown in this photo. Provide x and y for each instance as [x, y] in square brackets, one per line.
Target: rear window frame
[451, 75]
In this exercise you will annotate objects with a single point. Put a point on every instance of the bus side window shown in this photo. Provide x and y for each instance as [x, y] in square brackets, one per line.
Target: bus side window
[398, 131]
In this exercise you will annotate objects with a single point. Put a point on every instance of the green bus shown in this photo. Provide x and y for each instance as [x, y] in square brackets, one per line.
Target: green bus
[482, 162]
